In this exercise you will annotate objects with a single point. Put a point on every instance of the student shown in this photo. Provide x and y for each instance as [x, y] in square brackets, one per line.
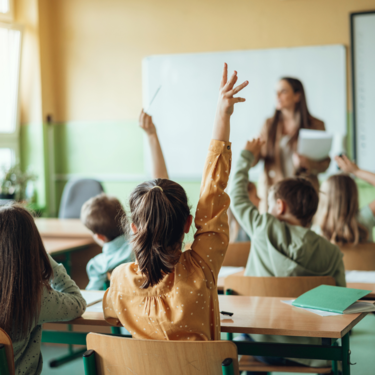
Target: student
[103, 214]
[339, 219]
[236, 233]
[168, 294]
[281, 242]
[34, 288]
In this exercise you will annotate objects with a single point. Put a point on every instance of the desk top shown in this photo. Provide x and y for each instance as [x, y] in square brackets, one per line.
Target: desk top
[63, 228]
[56, 246]
[264, 315]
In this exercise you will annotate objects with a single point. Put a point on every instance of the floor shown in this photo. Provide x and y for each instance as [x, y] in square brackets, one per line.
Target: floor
[362, 343]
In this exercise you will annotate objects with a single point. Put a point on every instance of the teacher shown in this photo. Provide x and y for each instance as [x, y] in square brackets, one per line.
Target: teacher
[280, 134]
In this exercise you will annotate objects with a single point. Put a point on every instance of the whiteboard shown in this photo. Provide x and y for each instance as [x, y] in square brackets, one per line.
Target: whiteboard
[363, 59]
[184, 107]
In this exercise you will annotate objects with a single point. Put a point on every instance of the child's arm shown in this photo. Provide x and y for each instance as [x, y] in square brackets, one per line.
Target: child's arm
[243, 209]
[158, 162]
[211, 220]
[348, 166]
[65, 301]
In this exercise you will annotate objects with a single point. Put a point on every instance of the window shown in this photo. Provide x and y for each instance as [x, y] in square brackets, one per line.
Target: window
[6, 10]
[10, 48]
[10, 51]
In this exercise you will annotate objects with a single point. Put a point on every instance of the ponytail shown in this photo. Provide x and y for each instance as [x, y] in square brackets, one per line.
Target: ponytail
[159, 209]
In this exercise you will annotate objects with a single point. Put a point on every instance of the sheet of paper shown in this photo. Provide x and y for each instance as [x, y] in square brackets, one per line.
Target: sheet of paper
[314, 144]
[97, 307]
[226, 271]
[317, 312]
[360, 307]
[360, 277]
[92, 297]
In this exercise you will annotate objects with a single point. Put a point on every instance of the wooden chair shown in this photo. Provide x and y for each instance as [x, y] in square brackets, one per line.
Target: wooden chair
[359, 257]
[116, 355]
[6, 354]
[236, 255]
[292, 287]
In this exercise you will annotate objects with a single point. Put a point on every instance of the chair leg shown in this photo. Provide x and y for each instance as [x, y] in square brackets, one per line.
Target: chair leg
[89, 363]
[4, 368]
[227, 367]
[116, 330]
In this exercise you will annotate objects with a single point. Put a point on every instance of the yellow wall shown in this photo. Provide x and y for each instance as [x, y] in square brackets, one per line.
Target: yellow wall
[98, 45]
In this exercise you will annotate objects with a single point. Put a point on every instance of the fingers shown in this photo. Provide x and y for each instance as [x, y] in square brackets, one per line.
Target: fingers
[231, 82]
[238, 100]
[237, 89]
[225, 76]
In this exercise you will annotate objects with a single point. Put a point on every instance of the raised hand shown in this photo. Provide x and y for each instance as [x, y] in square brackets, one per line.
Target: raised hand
[346, 165]
[145, 122]
[254, 146]
[225, 105]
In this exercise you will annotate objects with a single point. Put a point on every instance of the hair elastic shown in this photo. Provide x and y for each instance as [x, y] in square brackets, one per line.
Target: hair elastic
[159, 187]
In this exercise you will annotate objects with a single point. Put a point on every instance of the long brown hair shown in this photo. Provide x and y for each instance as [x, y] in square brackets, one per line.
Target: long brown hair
[159, 209]
[24, 270]
[338, 210]
[300, 109]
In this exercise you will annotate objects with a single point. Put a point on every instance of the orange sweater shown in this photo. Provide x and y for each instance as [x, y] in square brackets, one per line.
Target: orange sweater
[184, 305]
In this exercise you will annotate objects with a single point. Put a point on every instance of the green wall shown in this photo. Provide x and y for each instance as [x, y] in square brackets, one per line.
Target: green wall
[112, 152]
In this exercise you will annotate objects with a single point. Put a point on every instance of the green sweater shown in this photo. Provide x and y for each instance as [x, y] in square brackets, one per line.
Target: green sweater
[280, 249]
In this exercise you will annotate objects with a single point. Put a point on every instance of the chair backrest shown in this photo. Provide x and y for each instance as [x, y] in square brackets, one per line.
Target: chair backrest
[359, 257]
[119, 355]
[237, 254]
[7, 342]
[292, 286]
[75, 194]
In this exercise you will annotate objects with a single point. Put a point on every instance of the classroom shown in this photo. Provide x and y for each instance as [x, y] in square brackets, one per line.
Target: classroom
[192, 182]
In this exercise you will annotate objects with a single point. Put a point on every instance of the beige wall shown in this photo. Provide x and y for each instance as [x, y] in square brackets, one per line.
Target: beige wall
[96, 46]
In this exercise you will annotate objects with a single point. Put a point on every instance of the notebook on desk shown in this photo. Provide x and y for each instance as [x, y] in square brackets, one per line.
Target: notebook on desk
[92, 297]
[335, 299]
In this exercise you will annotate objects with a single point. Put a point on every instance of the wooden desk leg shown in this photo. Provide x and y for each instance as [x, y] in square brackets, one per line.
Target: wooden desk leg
[345, 355]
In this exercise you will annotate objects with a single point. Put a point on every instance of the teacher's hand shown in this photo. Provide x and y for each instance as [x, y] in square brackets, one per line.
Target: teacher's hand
[301, 162]
[254, 146]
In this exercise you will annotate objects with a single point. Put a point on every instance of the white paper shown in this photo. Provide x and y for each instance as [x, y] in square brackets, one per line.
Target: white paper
[358, 307]
[314, 144]
[360, 277]
[317, 312]
[97, 307]
[92, 297]
[226, 271]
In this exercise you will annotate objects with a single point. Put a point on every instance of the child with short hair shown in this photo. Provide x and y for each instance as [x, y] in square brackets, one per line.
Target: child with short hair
[103, 214]
[339, 218]
[281, 242]
[168, 294]
[34, 288]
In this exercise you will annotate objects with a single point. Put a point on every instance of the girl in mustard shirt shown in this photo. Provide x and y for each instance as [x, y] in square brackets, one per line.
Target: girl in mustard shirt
[169, 294]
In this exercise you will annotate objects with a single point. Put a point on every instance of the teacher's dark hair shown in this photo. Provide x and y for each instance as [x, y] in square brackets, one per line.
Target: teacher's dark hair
[304, 114]
[160, 210]
[24, 271]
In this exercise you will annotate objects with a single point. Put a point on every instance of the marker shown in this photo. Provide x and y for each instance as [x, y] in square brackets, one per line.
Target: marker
[153, 98]
[226, 313]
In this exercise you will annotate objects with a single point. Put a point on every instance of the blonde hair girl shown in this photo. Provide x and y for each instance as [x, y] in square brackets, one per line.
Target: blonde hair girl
[339, 218]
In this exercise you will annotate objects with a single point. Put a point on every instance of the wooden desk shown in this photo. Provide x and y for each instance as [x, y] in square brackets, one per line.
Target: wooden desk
[55, 246]
[262, 315]
[69, 228]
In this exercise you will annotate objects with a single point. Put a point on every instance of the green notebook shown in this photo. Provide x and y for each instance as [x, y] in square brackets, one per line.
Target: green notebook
[330, 298]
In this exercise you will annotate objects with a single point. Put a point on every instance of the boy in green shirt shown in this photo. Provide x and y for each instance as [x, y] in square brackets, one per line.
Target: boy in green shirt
[282, 243]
